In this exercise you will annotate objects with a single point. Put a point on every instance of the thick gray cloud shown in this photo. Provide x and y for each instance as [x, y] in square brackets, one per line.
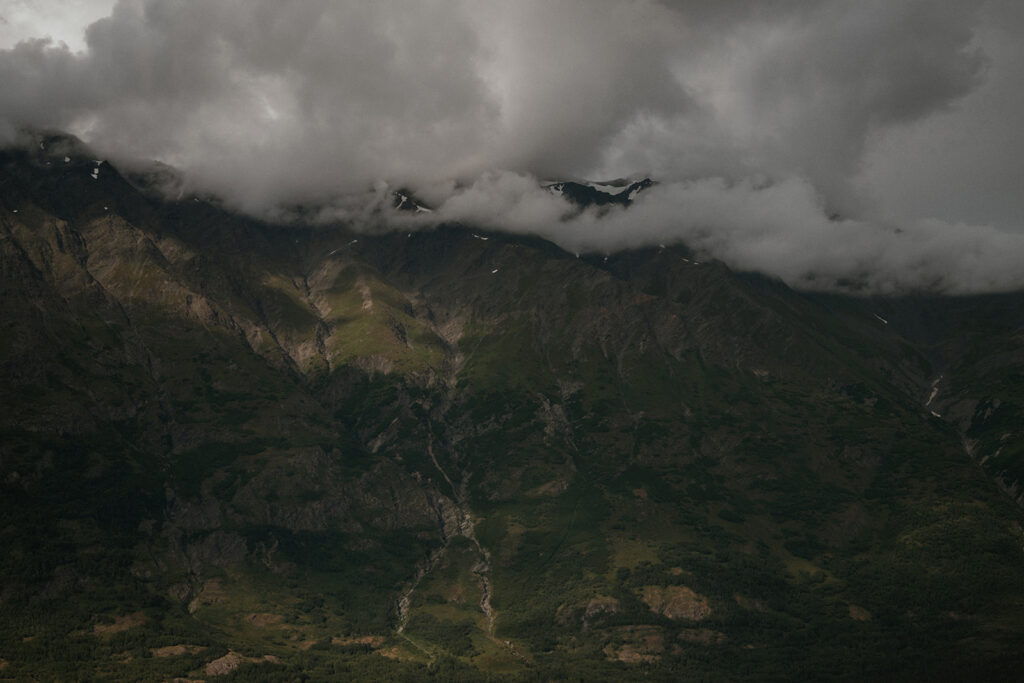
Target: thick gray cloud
[62, 20]
[779, 228]
[891, 114]
[967, 161]
[800, 87]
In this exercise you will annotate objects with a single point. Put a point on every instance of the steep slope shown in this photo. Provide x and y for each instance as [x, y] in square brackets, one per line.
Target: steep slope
[239, 448]
[970, 352]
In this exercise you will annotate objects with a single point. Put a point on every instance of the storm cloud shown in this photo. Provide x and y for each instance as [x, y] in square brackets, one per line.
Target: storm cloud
[820, 141]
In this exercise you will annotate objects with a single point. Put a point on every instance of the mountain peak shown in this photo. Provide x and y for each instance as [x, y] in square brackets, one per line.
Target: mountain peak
[587, 193]
[403, 199]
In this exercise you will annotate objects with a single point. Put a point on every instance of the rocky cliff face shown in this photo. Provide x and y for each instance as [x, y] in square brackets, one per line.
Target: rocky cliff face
[405, 452]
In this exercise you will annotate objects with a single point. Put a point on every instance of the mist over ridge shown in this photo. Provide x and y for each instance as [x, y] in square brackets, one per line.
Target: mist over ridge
[867, 147]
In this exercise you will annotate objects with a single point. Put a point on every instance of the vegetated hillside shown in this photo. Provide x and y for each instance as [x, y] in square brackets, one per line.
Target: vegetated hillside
[244, 450]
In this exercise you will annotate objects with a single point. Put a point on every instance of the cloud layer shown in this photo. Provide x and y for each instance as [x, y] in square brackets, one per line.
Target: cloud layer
[779, 228]
[760, 119]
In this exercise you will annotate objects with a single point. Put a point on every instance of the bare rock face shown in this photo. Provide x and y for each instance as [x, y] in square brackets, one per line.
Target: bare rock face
[676, 602]
[224, 665]
[176, 650]
[233, 660]
[858, 613]
[639, 644]
[600, 605]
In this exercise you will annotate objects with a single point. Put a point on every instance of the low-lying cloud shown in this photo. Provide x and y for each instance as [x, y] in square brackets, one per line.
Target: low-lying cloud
[870, 143]
[780, 228]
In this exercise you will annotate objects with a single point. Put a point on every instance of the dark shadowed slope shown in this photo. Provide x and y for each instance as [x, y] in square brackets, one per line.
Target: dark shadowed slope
[250, 450]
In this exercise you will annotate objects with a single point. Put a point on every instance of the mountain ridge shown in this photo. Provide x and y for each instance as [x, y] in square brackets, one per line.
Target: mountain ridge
[464, 453]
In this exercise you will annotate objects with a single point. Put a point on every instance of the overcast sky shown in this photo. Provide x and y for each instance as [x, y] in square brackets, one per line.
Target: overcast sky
[760, 119]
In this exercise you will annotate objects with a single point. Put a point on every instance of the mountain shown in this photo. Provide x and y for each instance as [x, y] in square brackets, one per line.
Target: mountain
[246, 451]
[620, 192]
[404, 200]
